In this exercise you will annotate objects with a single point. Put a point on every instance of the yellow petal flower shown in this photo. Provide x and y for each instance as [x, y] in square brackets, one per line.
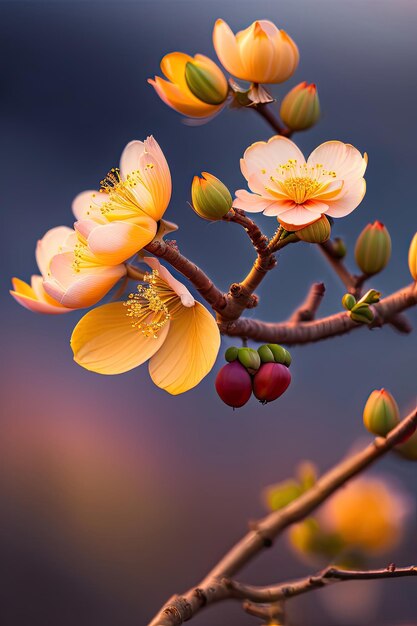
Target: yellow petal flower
[161, 321]
[196, 86]
[189, 351]
[104, 341]
[260, 54]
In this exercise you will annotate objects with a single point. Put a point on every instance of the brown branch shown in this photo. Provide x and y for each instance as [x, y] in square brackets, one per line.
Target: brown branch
[328, 576]
[258, 239]
[354, 283]
[307, 310]
[264, 111]
[213, 588]
[308, 332]
[190, 270]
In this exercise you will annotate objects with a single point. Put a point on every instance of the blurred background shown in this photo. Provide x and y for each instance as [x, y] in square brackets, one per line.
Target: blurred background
[114, 495]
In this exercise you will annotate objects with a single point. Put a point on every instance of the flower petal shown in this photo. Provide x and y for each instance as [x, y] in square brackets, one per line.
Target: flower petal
[51, 243]
[180, 289]
[129, 161]
[26, 297]
[342, 158]
[104, 341]
[226, 48]
[189, 351]
[182, 102]
[262, 158]
[298, 217]
[87, 205]
[251, 202]
[80, 289]
[116, 242]
[349, 201]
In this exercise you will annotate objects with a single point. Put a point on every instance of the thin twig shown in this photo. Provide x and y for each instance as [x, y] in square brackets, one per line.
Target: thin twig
[213, 588]
[307, 310]
[264, 111]
[329, 576]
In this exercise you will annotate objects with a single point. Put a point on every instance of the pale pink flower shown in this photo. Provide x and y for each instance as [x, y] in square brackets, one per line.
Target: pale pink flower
[297, 192]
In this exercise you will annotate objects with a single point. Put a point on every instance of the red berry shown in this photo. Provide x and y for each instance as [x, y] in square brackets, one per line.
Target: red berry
[233, 384]
[270, 381]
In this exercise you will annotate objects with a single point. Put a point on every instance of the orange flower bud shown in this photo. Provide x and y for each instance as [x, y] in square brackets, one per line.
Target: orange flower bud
[211, 199]
[381, 413]
[300, 108]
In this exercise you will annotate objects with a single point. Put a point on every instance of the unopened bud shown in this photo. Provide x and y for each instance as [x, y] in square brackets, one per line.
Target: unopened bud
[373, 248]
[412, 257]
[381, 413]
[266, 354]
[348, 301]
[371, 297]
[206, 85]
[211, 199]
[231, 354]
[318, 232]
[300, 108]
[361, 313]
[249, 358]
[281, 355]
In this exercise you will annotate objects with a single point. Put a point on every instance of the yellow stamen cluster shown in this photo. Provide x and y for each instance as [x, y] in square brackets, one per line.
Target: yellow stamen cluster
[121, 196]
[83, 258]
[147, 309]
[301, 181]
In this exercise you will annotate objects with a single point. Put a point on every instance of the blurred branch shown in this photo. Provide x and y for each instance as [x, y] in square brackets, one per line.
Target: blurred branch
[214, 587]
[329, 576]
[307, 310]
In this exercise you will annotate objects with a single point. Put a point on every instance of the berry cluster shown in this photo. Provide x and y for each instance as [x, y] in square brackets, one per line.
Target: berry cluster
[264, 372]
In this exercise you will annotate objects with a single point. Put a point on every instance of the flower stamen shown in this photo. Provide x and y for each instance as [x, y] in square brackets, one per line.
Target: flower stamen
[147, 308]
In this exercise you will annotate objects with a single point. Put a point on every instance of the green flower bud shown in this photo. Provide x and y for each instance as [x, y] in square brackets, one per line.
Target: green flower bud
[211, 199]
[205, 84]
[348, 301]
[249, 358]
[412, 257]
[281, 355]
[361, 313]
[300, 108]
[231, 354]
[371, 297]
[339, 247]
[318, 232]
[373, 249]
[266, 354]
[381, 413]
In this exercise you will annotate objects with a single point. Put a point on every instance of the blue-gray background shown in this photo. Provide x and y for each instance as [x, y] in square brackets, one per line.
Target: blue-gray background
[113, 494]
